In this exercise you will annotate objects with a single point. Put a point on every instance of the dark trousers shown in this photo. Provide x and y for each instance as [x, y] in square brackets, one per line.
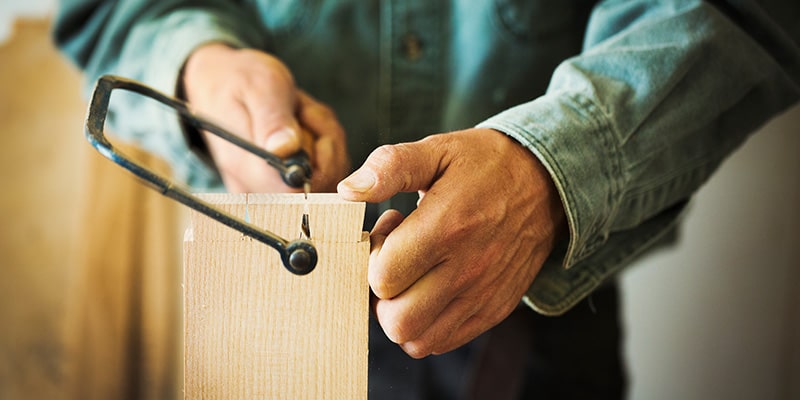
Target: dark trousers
[528, 356]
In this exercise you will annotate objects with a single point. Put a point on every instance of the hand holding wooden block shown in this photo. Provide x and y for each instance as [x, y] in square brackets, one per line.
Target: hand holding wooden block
[254, 330]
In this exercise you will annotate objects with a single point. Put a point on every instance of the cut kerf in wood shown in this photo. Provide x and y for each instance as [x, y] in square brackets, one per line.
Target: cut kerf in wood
[253, 329]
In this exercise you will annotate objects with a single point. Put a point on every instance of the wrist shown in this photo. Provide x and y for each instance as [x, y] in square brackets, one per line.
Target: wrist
[540, 178]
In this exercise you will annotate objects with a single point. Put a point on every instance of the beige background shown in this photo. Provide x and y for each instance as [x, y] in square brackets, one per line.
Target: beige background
[90, 284]
[89, 262]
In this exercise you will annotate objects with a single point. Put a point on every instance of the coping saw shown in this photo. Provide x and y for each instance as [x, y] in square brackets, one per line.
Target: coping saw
[298, 256]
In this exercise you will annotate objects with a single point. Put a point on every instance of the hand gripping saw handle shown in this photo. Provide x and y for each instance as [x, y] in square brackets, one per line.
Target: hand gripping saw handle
[298, 256]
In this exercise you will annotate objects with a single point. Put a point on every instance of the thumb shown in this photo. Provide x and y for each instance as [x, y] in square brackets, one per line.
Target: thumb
[284, 141]
[277, 132]
[391, 169]
[272, 118]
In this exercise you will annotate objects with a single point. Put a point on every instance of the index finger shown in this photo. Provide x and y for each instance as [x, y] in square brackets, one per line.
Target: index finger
[406, 254]
[318, 117]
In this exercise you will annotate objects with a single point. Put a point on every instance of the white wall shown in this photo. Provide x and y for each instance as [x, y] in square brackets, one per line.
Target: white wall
[718, 317]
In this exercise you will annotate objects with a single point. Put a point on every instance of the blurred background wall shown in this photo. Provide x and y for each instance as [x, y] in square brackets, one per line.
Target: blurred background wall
[716, 317]
[40, 184]
[90, 259]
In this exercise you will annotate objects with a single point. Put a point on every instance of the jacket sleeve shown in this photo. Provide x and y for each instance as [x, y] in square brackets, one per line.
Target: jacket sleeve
[630, 128]
[149, 40]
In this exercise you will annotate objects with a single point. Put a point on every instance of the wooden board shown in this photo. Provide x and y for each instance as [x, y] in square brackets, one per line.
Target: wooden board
[254, 330]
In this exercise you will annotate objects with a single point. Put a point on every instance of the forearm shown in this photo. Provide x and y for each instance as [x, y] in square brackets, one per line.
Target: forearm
[634, 125]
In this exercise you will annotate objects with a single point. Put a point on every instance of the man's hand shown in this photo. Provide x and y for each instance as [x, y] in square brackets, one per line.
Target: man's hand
[253, 94]
[487, 218]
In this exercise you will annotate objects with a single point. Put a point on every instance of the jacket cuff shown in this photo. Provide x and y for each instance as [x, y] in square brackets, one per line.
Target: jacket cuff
[571, 137]
[573, 140]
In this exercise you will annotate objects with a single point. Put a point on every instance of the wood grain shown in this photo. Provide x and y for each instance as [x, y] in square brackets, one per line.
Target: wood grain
[254, 330]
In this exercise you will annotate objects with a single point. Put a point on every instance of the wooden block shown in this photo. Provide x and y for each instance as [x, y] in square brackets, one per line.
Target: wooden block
[253, 329]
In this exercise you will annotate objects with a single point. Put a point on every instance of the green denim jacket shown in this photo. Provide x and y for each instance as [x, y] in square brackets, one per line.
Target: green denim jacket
[631, 105]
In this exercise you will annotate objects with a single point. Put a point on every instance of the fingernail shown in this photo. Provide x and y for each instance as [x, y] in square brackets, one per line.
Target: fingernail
[281, 139]
[360, 181]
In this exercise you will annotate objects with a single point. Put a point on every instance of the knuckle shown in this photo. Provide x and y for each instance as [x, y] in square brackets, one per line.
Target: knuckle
[380, 290]
[392, 162]
[324, 110]
[380, 283]
[262, 80]
[268, 76]
[417, 349]
[397, 327]
[389, 154]
[437, 139]
[394, 332]
[398, 321]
